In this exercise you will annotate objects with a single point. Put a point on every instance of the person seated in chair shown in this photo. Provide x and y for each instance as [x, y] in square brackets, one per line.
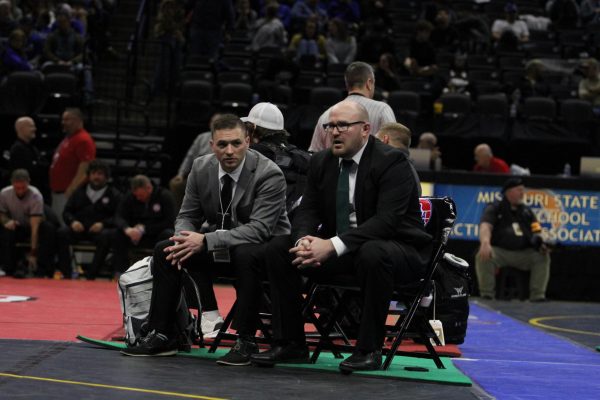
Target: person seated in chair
[233, 205]
[21, 219]
[89, 215]
[509, 235]
[362, 220]
[144, 216]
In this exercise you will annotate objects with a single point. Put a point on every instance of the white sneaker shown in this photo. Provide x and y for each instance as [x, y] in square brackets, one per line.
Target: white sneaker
[210, 328]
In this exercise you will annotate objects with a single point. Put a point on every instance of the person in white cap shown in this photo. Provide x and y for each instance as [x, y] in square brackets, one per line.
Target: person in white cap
[268, 136]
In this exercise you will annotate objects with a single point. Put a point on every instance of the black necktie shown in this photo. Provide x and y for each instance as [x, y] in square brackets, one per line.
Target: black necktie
[225, 200]
[342, 216]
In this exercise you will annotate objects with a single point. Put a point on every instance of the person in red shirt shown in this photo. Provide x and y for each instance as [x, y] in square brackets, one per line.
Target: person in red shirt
[70, 160]
[486, 162]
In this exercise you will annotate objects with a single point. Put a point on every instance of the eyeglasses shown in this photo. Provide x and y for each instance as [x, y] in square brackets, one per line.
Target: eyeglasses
[341, 126]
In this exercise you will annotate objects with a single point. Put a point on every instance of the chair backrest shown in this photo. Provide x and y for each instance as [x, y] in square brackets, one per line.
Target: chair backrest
[540, 108]
[439, 215]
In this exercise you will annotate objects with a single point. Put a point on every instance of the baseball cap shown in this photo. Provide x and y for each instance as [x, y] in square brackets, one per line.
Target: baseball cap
[265, 115]
[511, 183]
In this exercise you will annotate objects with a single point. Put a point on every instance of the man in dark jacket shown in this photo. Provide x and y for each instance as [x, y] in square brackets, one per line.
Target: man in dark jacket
[359, 215]
[144, 216]
[89, 215]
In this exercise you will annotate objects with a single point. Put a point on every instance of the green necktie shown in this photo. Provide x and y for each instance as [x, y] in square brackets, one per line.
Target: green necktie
[342, 215]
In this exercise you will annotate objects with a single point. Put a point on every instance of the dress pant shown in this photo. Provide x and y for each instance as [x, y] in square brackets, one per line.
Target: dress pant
[9, 254]
[525, 260]
[67, 237]
[246, 265]
[377, 265]
[121, 243]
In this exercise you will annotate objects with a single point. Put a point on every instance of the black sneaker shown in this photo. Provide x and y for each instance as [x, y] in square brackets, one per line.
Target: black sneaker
[154, 344]
[240, 354]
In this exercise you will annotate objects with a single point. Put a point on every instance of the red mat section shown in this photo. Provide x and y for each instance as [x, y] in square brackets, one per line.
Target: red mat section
[63, 309]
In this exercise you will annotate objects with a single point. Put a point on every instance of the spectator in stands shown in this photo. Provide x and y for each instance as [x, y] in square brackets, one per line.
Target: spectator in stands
[144, 217]
[14, 57]
[303, 10]
[346, 10]
[510, 236]
[421, 61]
[284, 12]
[64, 46]
[8, 23]
[70, 160]
[89, 215]
[429, 141]
[486, 162]
[340, 44]
[458, 76]
[444, 34]
[209, 20]
[245, 16]
[215, 236]
[590, 12]
[589, 86]
[76, 23]
[532, 83]
[22, 219]
[270, 31]
[387, 74]
[360, 83]
[396, 135]
[200, 147]
[169, 31]
[511, 31]
[34, 43]
[25, 155]
[362, 239]
[308, 47]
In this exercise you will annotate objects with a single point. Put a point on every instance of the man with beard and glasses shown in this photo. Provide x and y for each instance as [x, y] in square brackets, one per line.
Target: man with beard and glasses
[359, 216]
[89, 215]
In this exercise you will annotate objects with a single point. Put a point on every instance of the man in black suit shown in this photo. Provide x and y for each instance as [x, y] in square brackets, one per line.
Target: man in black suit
[360, 216]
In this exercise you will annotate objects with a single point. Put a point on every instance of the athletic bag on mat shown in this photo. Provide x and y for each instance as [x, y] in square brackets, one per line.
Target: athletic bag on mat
[452, 289]
[135, 294]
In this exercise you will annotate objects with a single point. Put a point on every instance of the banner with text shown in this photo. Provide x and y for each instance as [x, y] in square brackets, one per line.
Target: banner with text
[568, 217]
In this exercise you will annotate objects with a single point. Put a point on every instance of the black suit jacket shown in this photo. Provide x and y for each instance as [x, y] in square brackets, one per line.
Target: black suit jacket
[386, 200]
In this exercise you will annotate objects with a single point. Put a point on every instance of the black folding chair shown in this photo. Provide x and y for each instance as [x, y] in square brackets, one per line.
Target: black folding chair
[438, 216]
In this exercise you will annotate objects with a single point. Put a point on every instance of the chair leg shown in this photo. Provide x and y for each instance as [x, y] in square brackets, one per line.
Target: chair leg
[223, 329]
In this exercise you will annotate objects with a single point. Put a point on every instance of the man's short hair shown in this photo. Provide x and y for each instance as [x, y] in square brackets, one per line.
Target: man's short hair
[20, 175]
[397, 133]
[357, 74]
[139, 181]
[227, 121]
[97, 165]
[76, 112]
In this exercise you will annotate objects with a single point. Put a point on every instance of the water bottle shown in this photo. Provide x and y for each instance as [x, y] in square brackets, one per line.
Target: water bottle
[567, 170]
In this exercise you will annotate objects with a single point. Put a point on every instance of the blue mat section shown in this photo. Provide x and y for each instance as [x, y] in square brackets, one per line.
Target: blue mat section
[512, 360]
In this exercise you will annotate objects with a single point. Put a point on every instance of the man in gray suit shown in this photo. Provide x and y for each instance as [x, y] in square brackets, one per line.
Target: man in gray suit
[234, 204]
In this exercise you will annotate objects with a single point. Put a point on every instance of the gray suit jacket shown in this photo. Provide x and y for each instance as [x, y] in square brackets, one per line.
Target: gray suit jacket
[258, 204]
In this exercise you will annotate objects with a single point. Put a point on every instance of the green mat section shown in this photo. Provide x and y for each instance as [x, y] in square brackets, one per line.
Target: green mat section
[328, 363]
[598, 348]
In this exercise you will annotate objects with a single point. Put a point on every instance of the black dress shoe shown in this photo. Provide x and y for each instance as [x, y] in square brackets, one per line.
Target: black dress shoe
[361, 362]
[289, 353]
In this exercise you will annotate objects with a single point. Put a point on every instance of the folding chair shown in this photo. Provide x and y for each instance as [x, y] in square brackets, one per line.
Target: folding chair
[264, 318]
[438, 216]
